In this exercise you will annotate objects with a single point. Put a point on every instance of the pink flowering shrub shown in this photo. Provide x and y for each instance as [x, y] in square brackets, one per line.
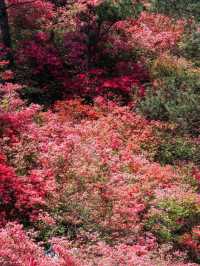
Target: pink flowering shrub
[81, 171]
[95, 155]
[79, 184]
[154, 32]
[18, 249]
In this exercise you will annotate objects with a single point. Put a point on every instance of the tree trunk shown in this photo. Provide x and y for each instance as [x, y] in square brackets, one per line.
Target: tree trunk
[5, 30]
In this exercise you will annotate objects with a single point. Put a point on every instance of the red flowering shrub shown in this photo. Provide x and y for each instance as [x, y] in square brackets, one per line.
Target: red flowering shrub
[95, 82]
[43, 55]
[20, 196]
[30, 15]
[77, 42]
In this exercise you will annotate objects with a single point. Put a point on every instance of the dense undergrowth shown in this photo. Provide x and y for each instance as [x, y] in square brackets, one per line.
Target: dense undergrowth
[99, 134]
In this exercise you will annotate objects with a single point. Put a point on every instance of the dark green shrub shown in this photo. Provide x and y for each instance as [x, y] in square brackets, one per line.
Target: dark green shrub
[178, 8]
[114, 11]
[172, 150]
[40, 96]
[177, 101]
[191, 47]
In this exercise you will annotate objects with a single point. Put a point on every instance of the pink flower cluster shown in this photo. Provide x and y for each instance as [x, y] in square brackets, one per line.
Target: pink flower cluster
[79, 164]
[154, 32]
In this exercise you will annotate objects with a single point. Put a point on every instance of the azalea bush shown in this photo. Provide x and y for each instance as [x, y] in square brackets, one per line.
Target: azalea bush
[99, 134]
[92, 153]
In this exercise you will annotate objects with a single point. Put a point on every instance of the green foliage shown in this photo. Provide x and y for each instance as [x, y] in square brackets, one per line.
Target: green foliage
[176, 149]
[191, 47]
[69, 219]
[46, 232]
[178, 8]
[172, 217]
[177, 100]
[117, 10]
